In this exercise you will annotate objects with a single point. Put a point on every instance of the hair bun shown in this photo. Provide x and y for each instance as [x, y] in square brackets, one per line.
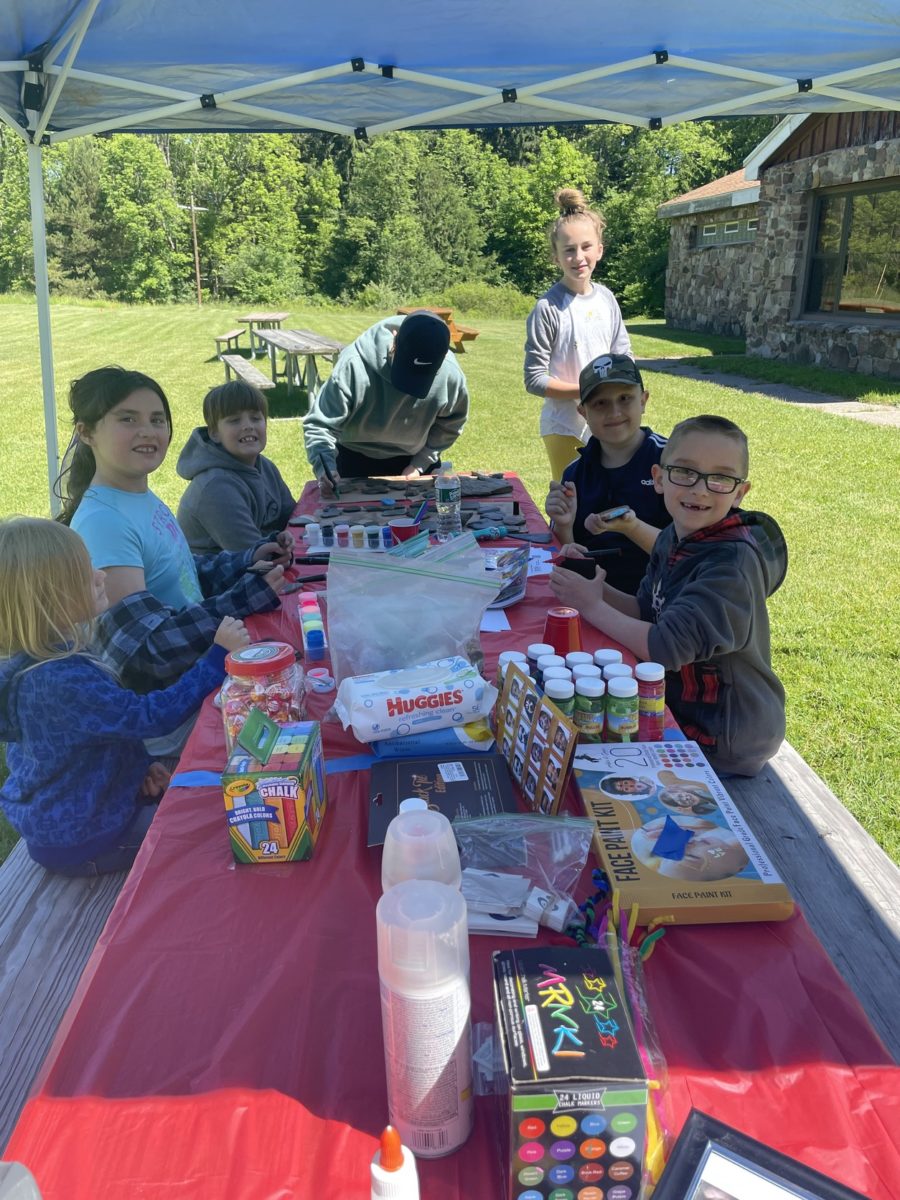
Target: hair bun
[570, 201]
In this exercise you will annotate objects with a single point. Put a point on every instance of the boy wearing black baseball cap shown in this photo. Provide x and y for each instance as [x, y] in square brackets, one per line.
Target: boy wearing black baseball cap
[606, 499]
[394, 402]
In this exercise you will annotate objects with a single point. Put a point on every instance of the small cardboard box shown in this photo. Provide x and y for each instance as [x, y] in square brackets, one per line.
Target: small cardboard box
[274, 786]
[574, 1110]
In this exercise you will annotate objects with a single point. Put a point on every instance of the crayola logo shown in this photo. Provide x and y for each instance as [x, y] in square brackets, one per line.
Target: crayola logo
[398, 705]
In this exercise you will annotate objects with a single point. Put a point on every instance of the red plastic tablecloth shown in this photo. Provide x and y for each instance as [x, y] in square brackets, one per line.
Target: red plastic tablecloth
[225, 1039]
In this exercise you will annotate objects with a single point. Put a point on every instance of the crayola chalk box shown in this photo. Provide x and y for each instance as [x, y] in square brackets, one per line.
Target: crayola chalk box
[275, 796]
[671, 839]
[574, 1093]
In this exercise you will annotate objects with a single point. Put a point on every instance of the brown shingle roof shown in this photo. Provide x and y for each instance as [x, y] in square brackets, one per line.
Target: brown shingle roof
[725, 186]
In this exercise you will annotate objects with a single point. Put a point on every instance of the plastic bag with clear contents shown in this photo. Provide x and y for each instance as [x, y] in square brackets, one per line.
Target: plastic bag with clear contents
[389, 610]
[550, 851]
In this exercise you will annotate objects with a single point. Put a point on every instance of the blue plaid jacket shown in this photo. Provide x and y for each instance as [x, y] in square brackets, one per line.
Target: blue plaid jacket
[150, 645]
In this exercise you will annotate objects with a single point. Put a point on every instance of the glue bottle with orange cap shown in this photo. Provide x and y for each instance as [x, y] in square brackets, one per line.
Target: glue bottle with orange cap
[393, 1169]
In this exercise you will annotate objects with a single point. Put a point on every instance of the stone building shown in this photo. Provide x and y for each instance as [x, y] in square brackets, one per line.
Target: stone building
[800, 250]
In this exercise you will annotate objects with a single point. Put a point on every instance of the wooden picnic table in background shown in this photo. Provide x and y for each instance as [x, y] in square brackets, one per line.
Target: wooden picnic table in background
[458, 333]
[296, 344]
[262, 320]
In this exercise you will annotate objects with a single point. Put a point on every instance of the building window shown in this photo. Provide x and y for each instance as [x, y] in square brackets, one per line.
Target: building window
[724, 233]
[855, 261]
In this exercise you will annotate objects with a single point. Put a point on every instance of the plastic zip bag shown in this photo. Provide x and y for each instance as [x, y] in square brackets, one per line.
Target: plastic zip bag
[387, 611]
[550, 851]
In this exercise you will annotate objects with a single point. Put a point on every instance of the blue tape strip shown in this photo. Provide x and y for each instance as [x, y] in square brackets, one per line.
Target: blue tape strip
[195, 779]
[358, 762]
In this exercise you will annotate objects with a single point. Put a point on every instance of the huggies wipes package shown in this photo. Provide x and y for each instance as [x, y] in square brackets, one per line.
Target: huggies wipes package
[434, 695]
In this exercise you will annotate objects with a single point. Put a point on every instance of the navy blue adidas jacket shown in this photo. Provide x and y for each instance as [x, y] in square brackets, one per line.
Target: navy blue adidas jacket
[599, 488]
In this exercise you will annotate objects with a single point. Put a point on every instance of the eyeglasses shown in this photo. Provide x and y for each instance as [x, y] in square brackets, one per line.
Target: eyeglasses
[687, 477]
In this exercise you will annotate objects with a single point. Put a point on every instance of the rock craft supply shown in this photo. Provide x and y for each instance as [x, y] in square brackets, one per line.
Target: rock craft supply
[373, 537]
[651, 681]
[622, 709]
[342, 534]
[312, 627]
[358, 536]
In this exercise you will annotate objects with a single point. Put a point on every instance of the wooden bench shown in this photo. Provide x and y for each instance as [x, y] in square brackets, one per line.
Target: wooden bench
[460, 334]
[232, 340]
[49, 926]
[245, 370]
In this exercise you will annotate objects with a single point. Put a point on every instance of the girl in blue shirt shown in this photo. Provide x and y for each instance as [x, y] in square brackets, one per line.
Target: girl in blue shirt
[81, 786]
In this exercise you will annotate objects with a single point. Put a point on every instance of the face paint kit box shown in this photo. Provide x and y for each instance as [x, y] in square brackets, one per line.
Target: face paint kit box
[573, 1092]
[670, 838]
[274, 787]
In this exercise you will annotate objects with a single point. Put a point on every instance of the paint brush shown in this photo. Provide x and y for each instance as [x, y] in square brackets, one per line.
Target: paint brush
[421, 509]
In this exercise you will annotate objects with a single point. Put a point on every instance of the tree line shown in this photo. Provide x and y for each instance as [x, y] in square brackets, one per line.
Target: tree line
[411, 214]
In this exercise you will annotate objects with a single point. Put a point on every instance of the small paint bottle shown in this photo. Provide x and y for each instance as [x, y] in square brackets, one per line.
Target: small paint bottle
[327, 534]
[548, 660]
[508, 656]
[578, 658]
[590, 708]
[561, 693]
[602, 658]
[622, 709]
[373, 537]
[358, 537]
[313, 534]
[617, 671]
[586, 671]
[651, 681]
[387, 538]
[535, 651]
[342, 534]
[557, 673]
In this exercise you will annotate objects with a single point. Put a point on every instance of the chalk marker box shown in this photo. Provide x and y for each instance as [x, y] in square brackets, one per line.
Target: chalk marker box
[572, 1092]
[274, 788]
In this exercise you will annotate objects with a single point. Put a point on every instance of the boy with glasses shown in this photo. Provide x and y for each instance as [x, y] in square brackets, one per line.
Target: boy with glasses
[701, 607]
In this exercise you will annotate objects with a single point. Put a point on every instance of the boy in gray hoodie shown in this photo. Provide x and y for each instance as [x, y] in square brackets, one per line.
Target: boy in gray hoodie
[701, 607]
[235, 495]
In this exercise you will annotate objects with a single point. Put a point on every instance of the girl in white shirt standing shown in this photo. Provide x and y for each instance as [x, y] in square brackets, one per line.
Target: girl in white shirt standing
[571, 324]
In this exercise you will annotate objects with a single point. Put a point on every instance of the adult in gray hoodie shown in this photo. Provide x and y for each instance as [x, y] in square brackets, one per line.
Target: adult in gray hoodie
[235, 495]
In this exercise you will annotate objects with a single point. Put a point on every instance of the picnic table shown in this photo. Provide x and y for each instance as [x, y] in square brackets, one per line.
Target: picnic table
[225, 1038]
[458, 333]
[298, 344]
[262, 320]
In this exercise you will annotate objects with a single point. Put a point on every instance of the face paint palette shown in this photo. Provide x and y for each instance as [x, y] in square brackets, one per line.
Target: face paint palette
[671, 839]
[575, 1114]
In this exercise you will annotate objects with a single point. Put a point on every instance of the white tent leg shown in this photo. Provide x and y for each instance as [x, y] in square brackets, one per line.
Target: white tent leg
[42, 295]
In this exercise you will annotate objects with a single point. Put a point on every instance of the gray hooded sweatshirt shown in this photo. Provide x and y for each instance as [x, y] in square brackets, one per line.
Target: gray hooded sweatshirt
[228, 505]
[706, 597]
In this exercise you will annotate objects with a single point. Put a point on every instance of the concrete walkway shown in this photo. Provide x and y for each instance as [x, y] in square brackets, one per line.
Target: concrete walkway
[875, 414]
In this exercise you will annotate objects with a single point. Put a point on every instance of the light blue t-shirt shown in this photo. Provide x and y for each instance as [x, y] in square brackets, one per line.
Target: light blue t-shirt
[135, 529]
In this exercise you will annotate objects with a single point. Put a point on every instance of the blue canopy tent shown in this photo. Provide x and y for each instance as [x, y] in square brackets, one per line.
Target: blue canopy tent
[75, 67]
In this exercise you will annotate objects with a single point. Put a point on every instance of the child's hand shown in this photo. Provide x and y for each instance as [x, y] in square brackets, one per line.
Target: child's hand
[155, 781]
[596, 523]
[411, 472]
[279, 552]
[562, 502]
[232, 633]
[573, 550]
[575, 591]
[276, 579]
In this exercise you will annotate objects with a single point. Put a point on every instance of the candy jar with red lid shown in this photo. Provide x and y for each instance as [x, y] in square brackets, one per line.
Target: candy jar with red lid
[264, 675]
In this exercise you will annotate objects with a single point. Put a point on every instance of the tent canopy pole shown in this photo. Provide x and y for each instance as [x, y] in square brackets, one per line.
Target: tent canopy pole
[42, 295]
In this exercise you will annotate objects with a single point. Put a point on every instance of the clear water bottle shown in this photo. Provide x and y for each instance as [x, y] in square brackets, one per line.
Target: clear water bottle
[448, 500]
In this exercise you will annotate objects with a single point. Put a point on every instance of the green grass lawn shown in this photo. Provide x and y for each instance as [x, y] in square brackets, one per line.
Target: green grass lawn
[833, 485]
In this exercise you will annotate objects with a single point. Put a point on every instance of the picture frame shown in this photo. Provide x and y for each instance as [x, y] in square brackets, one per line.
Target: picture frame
[713, 1161]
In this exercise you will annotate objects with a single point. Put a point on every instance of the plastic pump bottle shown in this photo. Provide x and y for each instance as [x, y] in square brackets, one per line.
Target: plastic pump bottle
[419, 844]
[448, 501]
